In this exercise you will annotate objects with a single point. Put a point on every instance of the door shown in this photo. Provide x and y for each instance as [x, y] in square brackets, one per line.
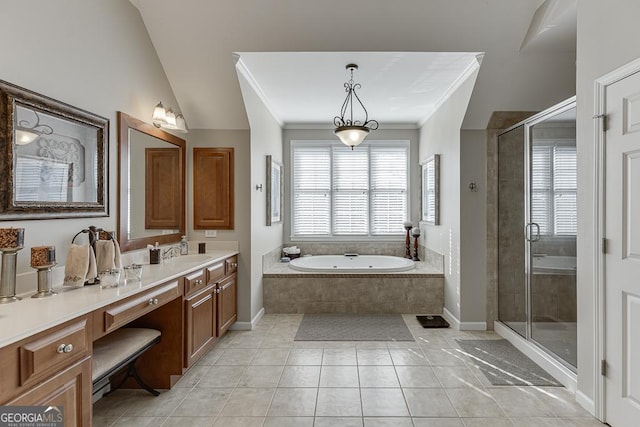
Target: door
[552, 218]
[622, 260]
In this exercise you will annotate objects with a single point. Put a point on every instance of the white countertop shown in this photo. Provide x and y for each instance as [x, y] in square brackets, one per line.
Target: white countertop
[29, 316]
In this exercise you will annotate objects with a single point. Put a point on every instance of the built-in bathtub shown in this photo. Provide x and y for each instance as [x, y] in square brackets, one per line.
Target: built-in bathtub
[553, 264]
[312, 285]
[352, 264]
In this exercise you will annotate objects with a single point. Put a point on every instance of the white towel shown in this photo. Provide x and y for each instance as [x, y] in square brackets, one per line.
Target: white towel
[80, 266]
[107, 255]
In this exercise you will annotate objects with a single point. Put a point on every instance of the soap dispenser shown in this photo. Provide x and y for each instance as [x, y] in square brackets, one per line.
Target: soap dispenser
[184, 246]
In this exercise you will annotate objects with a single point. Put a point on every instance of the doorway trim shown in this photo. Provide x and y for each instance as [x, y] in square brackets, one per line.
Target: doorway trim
[600, 109]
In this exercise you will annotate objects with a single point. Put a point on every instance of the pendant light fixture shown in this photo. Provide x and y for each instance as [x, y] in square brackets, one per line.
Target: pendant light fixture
[350, 131]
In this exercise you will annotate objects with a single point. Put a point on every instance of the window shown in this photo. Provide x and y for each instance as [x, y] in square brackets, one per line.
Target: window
[554, 188]
[342, 192]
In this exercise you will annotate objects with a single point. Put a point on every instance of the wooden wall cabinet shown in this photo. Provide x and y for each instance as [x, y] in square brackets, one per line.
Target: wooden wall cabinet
[213, 193]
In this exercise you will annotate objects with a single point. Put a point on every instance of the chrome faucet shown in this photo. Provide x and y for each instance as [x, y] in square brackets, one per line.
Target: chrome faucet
[170, 252]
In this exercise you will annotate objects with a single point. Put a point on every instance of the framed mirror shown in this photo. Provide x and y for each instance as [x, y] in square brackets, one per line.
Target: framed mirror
[151, 184]
[431, 190]
[53, 158]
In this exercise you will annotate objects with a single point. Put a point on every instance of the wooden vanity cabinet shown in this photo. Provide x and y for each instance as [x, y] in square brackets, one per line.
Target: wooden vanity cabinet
[69, 389]
[51, 368]
[209, 308]
[227, 304]
[200, 324]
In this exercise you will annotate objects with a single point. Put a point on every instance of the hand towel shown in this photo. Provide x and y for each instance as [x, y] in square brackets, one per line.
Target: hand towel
[77, 267]
[107, 255]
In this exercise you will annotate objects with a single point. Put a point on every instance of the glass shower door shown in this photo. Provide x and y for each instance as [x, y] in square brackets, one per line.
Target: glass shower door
[512, 295]
[551, 233]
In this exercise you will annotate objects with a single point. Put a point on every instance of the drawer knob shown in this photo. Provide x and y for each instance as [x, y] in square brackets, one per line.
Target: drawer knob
[234, 265]
[153, 301]
[65, 348]
[198, 282]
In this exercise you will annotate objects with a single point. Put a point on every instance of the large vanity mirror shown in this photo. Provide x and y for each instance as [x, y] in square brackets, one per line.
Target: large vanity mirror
[151, 184]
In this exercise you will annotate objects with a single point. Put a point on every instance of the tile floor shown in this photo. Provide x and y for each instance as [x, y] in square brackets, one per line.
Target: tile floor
[264, 378]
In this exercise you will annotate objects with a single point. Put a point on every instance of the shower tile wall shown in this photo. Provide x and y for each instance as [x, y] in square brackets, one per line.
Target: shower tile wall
[511, 255]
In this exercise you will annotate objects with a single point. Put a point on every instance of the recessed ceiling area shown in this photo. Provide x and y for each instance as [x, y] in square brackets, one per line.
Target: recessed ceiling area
[196, 40]
[397, 88]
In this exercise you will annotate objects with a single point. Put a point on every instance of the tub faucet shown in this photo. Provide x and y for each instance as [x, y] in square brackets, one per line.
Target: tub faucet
[350, 254]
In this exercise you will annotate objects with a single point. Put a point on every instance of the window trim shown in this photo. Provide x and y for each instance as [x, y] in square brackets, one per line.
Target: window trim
[406, 143]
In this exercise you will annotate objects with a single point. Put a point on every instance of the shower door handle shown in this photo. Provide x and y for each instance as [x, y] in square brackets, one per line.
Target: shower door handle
[528, 232]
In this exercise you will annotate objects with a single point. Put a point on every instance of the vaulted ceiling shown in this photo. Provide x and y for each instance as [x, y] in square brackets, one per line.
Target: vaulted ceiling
[410, 54]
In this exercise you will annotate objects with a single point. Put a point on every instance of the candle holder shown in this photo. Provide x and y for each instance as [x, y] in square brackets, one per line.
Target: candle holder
[416, 236]
[408, 226]
[11, 241]
[43, 258]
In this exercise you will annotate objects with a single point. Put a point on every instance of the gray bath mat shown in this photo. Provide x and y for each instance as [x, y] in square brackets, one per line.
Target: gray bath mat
[503, 364]
[353, 327]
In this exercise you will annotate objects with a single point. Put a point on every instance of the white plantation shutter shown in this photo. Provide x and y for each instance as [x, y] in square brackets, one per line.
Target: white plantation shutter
[541, 189]
[554, 188]
[39, 179]
[565, 189]
[350, 191]
[344, 192]
[389, 185]
[311, 191]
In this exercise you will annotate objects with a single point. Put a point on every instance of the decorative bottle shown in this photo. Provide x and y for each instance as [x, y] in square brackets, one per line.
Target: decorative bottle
[184, 246]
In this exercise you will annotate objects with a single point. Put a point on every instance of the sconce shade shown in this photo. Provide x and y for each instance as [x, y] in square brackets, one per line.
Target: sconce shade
[24, 137]
[168, 119]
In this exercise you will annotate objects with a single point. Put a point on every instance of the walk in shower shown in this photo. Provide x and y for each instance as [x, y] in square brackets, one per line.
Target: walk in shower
[537, 220]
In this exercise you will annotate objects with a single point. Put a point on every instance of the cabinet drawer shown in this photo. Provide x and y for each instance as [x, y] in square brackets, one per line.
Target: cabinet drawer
[215, 273]
[231, 265]
[124, 312]
[50, 353]
[194, 282]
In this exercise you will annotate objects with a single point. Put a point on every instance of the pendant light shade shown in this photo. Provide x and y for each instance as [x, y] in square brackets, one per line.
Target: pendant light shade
[351, 136]
[352, 131]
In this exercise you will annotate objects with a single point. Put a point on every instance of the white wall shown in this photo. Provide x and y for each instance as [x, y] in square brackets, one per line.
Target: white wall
[266, 139]
[441, 135]
[240, 141]
[607, 39]
[95, 55]
[473, 227]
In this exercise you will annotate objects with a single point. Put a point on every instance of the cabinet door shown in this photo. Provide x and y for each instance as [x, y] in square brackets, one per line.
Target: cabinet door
[227, 308]
[213, 188]
[70, 389]
[200, 317]
[163, 199]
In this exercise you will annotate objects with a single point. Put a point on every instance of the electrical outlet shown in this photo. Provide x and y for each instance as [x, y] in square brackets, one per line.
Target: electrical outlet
[210, 233]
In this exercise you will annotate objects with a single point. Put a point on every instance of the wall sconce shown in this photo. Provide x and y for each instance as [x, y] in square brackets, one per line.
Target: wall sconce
[168, 119]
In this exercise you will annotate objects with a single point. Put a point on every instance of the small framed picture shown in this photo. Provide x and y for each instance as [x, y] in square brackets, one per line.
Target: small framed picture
[274, 191]
[431, 190]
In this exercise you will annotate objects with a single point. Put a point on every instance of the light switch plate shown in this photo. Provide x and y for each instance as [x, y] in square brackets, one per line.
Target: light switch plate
[210, 233]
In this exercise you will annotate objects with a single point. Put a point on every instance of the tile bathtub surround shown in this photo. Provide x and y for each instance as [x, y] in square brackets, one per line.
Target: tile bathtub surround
[263, 378]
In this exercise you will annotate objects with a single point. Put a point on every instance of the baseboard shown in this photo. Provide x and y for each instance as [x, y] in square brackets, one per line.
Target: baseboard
[453, 320]
[553, 367]
[247, 326]
[473, 326]
[586, 402]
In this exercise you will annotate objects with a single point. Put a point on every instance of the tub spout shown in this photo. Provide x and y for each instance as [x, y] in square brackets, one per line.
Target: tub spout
[350, 254]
